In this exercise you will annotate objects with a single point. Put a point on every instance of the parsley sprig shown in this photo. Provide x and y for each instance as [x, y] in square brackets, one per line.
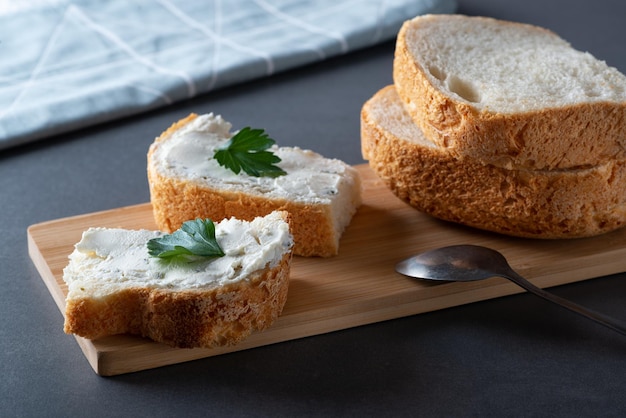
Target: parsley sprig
[247, 151]
[193, 241]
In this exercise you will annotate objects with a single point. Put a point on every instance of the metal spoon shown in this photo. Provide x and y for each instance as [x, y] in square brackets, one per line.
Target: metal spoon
[471, 262]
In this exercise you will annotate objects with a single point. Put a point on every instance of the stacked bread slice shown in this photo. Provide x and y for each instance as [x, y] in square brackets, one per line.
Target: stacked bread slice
[501, 126]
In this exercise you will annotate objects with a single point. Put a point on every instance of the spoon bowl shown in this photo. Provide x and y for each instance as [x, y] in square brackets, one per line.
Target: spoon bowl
[470, 262]
[460, 263]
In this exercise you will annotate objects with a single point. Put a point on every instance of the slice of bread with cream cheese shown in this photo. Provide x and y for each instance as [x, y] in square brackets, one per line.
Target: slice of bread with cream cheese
[187, 182]
[115, 286]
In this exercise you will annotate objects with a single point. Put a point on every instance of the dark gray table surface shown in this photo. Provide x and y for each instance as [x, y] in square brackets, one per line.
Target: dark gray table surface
[512, 356]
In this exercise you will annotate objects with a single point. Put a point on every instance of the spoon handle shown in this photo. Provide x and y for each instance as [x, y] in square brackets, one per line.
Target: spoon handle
[607, 321]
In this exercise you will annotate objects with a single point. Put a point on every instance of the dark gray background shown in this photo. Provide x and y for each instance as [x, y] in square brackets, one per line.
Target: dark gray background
[514, 356]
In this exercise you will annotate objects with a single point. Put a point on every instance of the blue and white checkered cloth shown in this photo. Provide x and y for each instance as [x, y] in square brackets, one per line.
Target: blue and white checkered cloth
[67, 64]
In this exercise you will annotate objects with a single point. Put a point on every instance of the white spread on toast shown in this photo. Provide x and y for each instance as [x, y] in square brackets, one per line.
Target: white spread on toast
[107, 257]
[188, 156]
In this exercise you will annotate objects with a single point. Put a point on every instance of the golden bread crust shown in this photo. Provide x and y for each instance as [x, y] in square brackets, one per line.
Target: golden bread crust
[222, 315]
[572, 136]
[524, 203]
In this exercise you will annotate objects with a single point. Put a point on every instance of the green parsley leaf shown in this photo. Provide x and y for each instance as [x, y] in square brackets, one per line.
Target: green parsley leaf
[247, 151]
[193, 241]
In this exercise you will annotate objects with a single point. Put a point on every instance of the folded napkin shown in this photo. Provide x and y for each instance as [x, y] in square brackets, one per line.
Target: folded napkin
[66, 64]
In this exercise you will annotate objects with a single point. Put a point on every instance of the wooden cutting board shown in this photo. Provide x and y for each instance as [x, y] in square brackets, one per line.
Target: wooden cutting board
[357, 287]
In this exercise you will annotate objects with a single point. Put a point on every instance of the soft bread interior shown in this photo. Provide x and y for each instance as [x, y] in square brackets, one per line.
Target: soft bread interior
[508, 67]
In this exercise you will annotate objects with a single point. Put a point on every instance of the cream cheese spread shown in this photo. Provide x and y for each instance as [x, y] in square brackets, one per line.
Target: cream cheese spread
[188, 156]
[106, 259]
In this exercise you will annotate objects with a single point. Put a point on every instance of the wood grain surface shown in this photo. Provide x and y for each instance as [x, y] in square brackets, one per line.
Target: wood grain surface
[357, 287]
